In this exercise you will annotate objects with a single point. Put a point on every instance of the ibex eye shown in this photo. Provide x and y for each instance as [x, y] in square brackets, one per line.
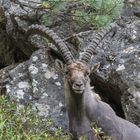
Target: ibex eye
[67, 72]
[87, 73]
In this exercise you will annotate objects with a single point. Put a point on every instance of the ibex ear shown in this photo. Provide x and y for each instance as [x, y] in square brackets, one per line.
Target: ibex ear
[60, 65]
[95, 67]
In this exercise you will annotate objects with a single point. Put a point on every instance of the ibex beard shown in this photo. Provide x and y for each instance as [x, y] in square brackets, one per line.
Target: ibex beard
[77, 75]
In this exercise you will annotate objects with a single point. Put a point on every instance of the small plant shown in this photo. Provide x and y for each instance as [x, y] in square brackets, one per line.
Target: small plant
[94, 13]
[23, 124]
[100, 133]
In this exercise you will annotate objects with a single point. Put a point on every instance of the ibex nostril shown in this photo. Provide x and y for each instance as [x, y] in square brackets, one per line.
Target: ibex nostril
[79, 84]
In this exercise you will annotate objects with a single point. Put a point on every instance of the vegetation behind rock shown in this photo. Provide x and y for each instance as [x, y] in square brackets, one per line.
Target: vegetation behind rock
[95, 13]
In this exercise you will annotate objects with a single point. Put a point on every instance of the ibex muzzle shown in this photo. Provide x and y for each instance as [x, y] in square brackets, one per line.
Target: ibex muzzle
[77, 75]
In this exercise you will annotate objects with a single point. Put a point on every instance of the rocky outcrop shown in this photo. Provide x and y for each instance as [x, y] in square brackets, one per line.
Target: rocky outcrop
[118, 77]
[15, 17]
[36, 81]
[121, 71]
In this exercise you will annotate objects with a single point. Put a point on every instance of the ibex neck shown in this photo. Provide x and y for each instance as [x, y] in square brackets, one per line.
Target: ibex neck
[76, 106]
[75, 103]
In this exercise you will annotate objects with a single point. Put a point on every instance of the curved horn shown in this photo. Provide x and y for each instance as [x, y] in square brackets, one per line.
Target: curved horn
[95, 42]
[51, 36]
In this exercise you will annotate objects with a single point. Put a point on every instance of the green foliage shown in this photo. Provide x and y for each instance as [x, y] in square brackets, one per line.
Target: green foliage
[99, 132]
[23, 124]
[96, 13]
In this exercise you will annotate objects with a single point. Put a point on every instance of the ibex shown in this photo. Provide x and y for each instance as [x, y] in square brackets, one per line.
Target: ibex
[83, 105]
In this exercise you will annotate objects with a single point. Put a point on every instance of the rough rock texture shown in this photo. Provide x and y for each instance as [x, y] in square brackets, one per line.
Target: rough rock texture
[14, 20]
[131, 8]
[123, 73]
[37, 81]
[118, 77]
[34, 81]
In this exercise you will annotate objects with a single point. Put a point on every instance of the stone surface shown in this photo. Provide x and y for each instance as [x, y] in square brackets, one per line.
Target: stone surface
[36, 81]
[131, 7]
[15, 17]
[118, 77]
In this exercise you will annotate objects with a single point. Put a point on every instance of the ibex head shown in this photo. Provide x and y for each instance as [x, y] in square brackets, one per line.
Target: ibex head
[77, 75]
[76, 71]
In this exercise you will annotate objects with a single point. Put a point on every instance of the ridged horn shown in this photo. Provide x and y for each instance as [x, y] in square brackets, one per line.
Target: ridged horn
[95, 42]
[52, 37]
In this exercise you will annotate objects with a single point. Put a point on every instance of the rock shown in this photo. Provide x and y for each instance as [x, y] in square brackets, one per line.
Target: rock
[36, 81]
[15, 17]
[131, 8]
[19, 87]
[47, 85]
[4, 78]
[118, 77]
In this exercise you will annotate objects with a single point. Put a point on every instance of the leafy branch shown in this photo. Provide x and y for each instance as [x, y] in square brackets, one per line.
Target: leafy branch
[96, 13]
